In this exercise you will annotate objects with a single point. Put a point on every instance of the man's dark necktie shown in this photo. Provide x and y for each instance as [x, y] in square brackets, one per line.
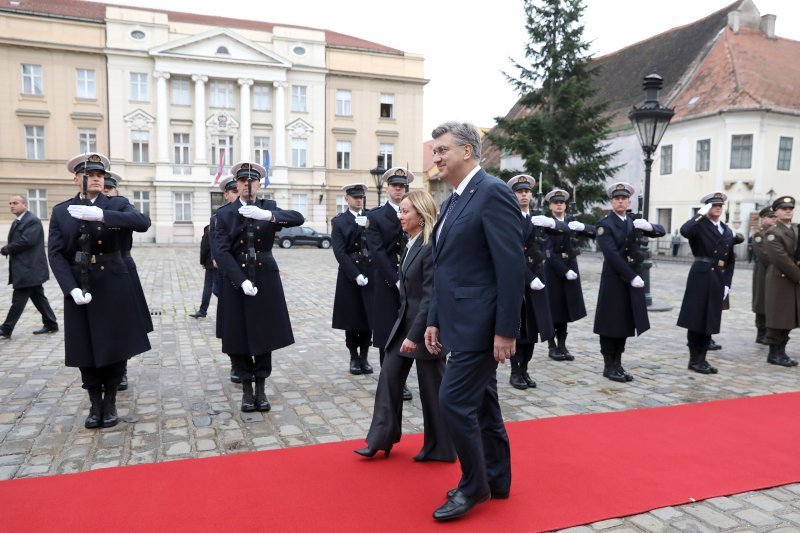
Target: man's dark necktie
[13, 227]
[453, 200]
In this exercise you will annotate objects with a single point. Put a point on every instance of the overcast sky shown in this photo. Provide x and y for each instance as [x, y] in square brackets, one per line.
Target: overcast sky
[466, 45]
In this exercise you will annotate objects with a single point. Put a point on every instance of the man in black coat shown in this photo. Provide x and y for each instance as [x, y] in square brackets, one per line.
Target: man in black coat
[353, 300]
[256, 317]
[230, 193]
[709, 278]
[386, 241]
[621, 306]
[207, 263]
[27, 270]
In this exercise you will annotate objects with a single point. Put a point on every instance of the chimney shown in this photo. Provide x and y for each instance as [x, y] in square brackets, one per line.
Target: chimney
[734, 20]
[768, 26]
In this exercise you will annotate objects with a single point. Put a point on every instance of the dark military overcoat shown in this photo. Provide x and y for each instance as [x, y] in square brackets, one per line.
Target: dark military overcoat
[536, 322]
[126, 244]
[351, 303]
[111, 328]
[782, 294]
[253, 325]
[566, 297]
[759, 271]
[385, 242]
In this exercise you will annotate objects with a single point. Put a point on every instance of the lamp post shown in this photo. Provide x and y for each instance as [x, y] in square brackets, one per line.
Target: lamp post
[650, 121]
[377, 175]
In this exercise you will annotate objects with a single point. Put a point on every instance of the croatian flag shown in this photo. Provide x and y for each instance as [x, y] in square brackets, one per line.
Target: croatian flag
[219, 170]
[266, 166]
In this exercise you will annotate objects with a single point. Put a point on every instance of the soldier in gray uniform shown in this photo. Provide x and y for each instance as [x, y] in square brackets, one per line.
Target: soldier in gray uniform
[767, 219]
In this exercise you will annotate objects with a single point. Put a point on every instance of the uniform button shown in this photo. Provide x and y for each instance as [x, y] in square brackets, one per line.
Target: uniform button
[243, 265]
[258, 240]
[99, 228]
[712, 269]
[258, 227]
[102, 267]
[99, 242]
[259, 264]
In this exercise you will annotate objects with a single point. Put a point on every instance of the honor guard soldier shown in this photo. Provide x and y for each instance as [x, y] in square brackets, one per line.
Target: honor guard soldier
[535, 321]
[353, 299]
[782, 295]
[621, 306]
[561, 272]
[386, 242]
[110, 188]
[256, 317]
[103, 321]
[710, 277]
[767, 219]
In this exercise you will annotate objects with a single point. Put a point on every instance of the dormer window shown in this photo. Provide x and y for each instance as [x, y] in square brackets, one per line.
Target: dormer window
[299, 50]
[223, 51]
[138, 35]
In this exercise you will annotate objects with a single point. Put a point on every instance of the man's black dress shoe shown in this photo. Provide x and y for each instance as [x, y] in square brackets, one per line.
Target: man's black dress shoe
[407, 393]
[370, 452]
[496, 494]
[5, 334]
[198, 315]
[713, 345]
[458, 505]
[702, 367]
[782, 361]
[529, 380]
[46, 329]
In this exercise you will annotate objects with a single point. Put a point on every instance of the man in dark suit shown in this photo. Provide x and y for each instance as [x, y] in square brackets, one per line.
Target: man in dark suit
[385, 241]
[709, 278]
[27, 270]
[352, 302]
[208, 277]
[479, 271]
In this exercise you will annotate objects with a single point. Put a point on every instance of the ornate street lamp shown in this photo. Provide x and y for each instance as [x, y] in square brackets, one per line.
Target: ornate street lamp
[650, 121]
[377, 175]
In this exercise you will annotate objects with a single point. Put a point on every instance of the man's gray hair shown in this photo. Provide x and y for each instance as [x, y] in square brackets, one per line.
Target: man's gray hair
[464, 134]
[21, 197]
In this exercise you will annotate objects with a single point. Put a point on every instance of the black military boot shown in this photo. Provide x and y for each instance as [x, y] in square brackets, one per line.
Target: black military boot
[96, 410]
[355, 362]
[516, 380]
[711, 369]
[123, 385]
[553, 352]
[366, 368]
[527, 377]
[697, 361]
[562, 347]
[777, 356]
[248, 401]
[262, 404]
[110, 418]
[407, 396]
[610, 369]
[618, 364]
[761, 336]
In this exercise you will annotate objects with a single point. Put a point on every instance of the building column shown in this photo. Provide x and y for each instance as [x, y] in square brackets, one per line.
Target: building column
[162, 116]
[245, 126]
[280, 123]
[200, 155]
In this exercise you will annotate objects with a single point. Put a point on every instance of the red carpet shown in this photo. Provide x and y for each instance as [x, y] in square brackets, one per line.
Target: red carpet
[568, 470]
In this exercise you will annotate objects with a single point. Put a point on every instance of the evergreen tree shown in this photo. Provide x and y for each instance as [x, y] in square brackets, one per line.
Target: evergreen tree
[562, 135]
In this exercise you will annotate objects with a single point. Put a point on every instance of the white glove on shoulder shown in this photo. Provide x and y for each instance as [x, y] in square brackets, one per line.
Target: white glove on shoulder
[541, 220]
[248, 288]
[576, 226]
[86, 212]
[362, 280]
[705, 209]
[637, 283]
[79, 297]
[256, 213]
[571, 275]
[642, 224]
[537, 284]
[725, 292]
[361, 220]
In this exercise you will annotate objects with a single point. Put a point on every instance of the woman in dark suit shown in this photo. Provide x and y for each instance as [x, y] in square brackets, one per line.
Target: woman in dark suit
[406, 345]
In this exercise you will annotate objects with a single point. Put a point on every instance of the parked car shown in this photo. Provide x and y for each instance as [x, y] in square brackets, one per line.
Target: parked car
[288, 237]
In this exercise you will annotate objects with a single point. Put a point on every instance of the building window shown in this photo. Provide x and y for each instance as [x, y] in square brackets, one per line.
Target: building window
[141, 146]
[86, 85]
[141, 201]
[385, 155]
[261, 98]
[785, 153]
[138, 35]
[666, 160]
[299, 98]
[34, 142]
[703, 156]
[180, 92]
[343, 103]
[180, 153]
[37, 202]
[221, 150]
[260, 149]
[139, 90]
[87, 140]
[664, 217]
[387, 105]
[343, 149]
[183, 206]
[223, 50]
[300, 204]
[741, 151]
[299, 151]
[341, 204]
[222, 94]
[32, 80]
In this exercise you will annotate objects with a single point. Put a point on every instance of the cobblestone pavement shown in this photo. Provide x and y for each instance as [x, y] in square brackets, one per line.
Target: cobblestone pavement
[182, 405]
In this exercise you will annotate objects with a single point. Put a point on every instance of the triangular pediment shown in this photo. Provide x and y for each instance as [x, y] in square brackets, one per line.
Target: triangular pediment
[299, 128]
[139, 119]
[220, 45]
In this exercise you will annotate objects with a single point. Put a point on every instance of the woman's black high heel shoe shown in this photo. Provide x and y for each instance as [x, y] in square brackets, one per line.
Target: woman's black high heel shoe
[370, 452]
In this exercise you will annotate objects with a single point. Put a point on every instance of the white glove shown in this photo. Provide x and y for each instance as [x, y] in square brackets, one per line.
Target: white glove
[642, 224]
[79, 297]
[705, 209]
[361, 220]
[256, 213]
[576, 226]
[541, 220]
[537, 284]
[361, 280]
[397, 284]
[571, 275]
[85, 212]
[248, 288]
[637, 283]
[725, 292]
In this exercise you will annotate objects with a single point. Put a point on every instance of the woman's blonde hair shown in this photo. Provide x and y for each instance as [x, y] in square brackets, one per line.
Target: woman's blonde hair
[426, 208]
